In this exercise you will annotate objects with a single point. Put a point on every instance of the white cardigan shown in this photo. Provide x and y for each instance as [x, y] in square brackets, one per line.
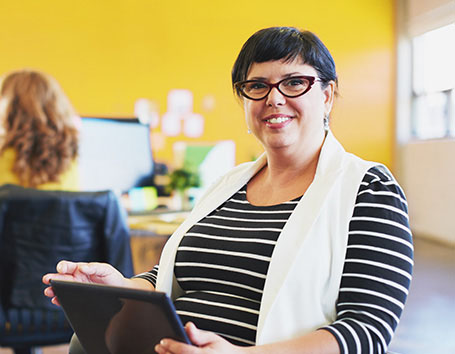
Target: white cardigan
[304, 275]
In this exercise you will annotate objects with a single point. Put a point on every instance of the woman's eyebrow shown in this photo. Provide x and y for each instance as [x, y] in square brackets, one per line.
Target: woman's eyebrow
[293, 74]
[260, 78]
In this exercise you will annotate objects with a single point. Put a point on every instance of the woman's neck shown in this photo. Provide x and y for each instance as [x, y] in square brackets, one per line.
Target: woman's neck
[290, 161]
[287, 175]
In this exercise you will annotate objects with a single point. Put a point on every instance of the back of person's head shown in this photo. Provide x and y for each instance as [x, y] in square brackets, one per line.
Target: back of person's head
[39, 124]
[288, 44]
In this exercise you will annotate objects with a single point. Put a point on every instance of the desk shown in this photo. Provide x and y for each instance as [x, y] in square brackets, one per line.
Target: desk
[156, 222]
[149, 232]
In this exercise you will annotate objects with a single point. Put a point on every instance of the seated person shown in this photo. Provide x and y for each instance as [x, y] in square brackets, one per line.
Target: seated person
[38, 133]
[305, 250]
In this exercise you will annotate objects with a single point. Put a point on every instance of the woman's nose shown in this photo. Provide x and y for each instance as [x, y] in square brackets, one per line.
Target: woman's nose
[275, 98]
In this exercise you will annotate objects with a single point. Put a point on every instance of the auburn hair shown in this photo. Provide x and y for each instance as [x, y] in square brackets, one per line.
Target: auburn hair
[39, 124]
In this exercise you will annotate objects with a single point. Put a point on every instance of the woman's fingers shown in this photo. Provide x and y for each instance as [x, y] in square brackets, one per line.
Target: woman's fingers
[54, 300]
[100, 273]
[49, 292]
[96, 269]
[94, 272]
[57, 276]
[170, 346]
[82, 272]
[67, 267]
[90, 269]
[204, 342]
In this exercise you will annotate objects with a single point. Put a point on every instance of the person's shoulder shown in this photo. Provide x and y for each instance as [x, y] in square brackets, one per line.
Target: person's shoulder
[379, 184]
[7, 158]
[8, 154]
[379, 176]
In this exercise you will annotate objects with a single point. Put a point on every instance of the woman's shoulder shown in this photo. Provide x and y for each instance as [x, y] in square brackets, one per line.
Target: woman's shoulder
[380, 186]
[9, 154]
[380, 177]
[7, 158]
[68, 180]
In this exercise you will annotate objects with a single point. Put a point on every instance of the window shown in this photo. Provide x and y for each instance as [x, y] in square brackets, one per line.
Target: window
[433, 84]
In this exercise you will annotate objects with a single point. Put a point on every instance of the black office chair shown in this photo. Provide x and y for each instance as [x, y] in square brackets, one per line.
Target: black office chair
[37, 230]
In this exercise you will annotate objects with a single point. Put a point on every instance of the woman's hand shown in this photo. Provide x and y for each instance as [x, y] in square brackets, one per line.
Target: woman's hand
[204, 342]
[99, 273]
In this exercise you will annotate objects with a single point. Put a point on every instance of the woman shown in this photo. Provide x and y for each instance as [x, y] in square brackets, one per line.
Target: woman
[307, 249]
[38, 146]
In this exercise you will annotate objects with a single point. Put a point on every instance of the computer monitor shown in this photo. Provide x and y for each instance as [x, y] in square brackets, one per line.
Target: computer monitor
[114, 153]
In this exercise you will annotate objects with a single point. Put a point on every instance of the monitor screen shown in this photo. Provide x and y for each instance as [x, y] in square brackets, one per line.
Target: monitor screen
[114, 154]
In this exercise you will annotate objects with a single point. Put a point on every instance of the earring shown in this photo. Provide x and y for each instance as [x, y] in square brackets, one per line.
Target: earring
[326, 122]
[249, 131]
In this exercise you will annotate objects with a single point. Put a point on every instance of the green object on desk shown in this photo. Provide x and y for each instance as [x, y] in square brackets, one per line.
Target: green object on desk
[181, 179]
[143, 199]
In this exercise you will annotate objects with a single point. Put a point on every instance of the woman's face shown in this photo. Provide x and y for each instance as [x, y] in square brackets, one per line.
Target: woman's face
[282, 122]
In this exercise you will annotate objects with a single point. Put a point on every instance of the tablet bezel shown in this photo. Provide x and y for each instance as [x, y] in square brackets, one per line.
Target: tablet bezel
[68, 294]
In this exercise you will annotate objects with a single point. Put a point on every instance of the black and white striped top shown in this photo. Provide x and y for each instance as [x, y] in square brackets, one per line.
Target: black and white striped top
[222, 262]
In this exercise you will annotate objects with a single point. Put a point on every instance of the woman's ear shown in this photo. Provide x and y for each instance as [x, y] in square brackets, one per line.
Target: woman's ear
[329, 95]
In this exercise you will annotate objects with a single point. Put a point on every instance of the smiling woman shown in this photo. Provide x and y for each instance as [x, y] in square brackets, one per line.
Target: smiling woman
[306, 249]
[288, 126]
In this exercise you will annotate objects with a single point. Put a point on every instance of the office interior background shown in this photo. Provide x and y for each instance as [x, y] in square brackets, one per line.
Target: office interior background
[391, 108]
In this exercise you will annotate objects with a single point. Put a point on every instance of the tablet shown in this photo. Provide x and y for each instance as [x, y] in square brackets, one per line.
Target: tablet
[115, 320]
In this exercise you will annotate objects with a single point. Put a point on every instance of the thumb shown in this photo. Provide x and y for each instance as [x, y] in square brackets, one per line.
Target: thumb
[67, 267]
[198, 336]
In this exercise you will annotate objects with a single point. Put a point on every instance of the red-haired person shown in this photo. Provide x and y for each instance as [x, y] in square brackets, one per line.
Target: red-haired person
[38, 133]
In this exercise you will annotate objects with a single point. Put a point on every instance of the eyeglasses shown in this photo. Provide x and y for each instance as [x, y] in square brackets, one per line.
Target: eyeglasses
[290, 87]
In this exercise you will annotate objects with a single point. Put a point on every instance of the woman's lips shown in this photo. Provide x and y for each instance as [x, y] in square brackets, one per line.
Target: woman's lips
[277, 121]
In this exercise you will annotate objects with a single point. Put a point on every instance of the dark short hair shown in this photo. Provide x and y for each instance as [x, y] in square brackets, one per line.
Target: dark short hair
[284, 43]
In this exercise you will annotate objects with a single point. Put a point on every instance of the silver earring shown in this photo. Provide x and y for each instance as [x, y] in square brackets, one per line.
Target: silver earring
[326, 122]
[249, 131]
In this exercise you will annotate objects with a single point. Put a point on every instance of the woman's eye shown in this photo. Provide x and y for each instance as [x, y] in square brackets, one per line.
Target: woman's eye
[256, 86]
[294, 82]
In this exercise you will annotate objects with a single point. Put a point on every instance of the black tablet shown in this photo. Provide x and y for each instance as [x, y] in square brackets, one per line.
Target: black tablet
[114, 320]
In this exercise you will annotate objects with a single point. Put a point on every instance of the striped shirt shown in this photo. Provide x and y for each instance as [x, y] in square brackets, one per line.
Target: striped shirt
[222, 262]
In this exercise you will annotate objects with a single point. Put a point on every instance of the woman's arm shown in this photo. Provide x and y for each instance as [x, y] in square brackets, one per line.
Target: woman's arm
[150, 276]
[140, 283]
[378, 267]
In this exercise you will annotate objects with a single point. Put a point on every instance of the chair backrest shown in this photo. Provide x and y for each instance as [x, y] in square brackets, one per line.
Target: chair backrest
[39, 228]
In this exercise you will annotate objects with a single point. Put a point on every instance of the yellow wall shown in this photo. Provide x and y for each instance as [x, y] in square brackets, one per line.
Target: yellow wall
[106, 54]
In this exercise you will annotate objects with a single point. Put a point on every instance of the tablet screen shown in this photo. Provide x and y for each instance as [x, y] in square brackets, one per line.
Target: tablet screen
[113, 320]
